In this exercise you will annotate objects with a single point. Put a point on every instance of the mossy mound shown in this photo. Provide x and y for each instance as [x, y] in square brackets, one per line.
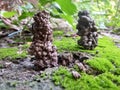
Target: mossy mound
[108, 58]
[106, 61]
[107, 81]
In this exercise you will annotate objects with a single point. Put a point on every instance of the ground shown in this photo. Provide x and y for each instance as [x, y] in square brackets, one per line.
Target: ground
[17, 71]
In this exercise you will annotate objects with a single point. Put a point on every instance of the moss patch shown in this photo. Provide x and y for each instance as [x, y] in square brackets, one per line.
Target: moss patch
[108, 58]
[107, 81]
[11, 53]
[66, 44]
[58, 33]
[70, 44]
[107, 61]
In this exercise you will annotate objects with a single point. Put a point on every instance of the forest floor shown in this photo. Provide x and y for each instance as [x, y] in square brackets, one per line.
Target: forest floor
[17, 69]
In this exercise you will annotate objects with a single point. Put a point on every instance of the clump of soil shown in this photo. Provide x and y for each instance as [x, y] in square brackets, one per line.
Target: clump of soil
[41, 47]
[87, 31]
[75, 59]
[69, 59]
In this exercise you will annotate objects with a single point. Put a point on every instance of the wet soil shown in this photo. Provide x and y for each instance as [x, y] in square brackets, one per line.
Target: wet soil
[22, 76]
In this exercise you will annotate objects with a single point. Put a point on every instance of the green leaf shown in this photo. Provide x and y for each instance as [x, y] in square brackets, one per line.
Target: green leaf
[25, 15]
[68, 18]
[7, 14]
[44, 2]
[67, 6]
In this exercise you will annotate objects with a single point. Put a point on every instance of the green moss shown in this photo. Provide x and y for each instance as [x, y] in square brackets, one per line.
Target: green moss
[101, 64]
[61, 73]
[116, 71]
[105, 81]
[70, 44]
[108, 58]
[66, 44]
[11, 53]
[58, 33]
[107, 61]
